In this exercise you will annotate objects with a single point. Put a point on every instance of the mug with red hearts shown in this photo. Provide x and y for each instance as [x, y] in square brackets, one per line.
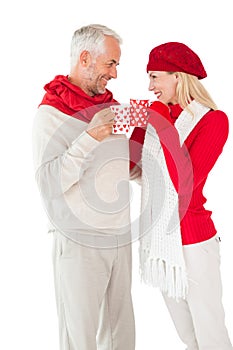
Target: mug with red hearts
[121, 123]
[138, 112]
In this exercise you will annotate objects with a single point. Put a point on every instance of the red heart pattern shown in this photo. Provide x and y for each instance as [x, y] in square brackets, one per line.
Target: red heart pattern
[122, 119]
[138, 112]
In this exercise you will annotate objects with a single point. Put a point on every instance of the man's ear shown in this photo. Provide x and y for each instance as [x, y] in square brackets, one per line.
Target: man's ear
[85, 58]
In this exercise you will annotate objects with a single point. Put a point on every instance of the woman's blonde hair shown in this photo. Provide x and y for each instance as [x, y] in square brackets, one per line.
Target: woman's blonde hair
[189, 88]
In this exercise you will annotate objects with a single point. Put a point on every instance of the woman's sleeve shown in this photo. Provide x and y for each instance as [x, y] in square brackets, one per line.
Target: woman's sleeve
[135, 146]
[189, 167]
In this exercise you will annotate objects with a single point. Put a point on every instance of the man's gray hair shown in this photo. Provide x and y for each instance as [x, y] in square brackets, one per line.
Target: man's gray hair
[90, 38]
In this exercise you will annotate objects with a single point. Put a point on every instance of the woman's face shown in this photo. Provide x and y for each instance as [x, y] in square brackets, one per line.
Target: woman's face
[163, 84]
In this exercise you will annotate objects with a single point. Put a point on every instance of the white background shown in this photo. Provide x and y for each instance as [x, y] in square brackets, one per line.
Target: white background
[35, 43]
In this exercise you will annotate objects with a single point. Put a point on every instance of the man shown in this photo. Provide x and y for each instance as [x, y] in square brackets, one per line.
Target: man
[82, 173]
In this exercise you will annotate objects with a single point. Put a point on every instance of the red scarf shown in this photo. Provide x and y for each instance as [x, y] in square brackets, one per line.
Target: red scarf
[70, 99]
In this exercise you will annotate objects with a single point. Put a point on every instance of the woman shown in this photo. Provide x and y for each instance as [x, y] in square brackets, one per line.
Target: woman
[179, 246]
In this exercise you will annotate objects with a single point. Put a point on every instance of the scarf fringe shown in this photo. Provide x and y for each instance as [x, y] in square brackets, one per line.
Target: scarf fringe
[170, 279]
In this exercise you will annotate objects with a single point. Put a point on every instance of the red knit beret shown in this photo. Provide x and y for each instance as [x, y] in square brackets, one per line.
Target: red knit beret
[175, 57]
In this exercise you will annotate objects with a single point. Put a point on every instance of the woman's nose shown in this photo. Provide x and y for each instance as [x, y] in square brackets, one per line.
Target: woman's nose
[151, 86]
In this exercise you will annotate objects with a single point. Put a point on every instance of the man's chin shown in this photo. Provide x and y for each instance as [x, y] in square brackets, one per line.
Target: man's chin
[101, 91]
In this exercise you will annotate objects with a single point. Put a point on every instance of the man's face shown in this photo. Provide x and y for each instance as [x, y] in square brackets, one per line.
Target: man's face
[103, 68]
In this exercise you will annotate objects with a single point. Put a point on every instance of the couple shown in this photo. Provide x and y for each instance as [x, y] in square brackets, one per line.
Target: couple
[82, 171]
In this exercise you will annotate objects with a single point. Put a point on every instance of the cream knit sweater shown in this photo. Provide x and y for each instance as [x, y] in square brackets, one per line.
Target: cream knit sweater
[84, 183]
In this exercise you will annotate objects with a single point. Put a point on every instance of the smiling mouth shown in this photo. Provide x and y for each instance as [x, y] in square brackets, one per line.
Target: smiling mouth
[158, 94]
[106, 80]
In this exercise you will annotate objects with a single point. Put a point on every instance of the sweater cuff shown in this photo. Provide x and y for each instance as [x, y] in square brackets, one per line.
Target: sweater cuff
[85, 142]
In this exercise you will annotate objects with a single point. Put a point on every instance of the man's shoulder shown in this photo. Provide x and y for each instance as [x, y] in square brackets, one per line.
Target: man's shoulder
[50, 118]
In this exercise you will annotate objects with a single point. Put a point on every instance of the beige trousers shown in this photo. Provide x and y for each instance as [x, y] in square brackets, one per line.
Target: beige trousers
[93, 292]
[200, 319]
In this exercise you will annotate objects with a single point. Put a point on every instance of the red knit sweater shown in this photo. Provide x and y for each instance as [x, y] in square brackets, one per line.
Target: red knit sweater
[203, 146]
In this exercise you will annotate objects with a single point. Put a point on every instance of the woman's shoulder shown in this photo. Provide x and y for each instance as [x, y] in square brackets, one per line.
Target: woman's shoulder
[214, 127]
[216, 116]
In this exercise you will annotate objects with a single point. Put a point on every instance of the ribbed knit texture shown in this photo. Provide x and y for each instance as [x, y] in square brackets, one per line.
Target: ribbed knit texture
[204, 145]
[161, 255]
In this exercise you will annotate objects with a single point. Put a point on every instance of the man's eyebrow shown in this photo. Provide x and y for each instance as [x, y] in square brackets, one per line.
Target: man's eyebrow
[114, 61]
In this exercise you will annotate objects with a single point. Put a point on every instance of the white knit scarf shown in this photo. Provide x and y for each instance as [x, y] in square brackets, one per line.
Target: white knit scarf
[161, 254]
